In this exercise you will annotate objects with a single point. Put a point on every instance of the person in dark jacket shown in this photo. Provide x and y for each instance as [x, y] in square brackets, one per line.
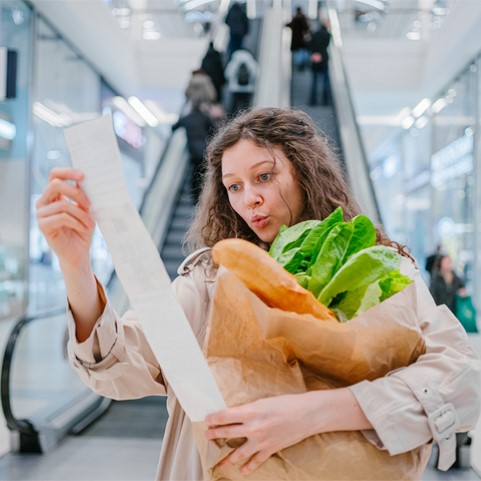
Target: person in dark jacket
[445, 283]
[238, 23]
[300, 30]
[319, 65]
[200, 90]
[431, 260]
[198, 126]
[212, 65]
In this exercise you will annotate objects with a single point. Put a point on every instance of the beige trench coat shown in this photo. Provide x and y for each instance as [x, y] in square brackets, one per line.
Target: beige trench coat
[432, 399]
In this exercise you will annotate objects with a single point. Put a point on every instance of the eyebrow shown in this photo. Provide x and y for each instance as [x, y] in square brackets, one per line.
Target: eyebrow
[252, 167]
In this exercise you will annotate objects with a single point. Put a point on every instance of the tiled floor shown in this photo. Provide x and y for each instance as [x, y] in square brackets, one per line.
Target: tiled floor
[121, 459]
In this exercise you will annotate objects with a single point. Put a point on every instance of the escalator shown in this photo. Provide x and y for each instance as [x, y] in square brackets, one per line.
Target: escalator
[324, 116]
[171, 250]
[338, 121]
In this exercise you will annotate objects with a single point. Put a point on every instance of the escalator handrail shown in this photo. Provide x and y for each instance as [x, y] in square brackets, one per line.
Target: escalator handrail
[22, 425]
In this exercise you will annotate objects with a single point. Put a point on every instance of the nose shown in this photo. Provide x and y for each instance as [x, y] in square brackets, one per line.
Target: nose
[252, 197]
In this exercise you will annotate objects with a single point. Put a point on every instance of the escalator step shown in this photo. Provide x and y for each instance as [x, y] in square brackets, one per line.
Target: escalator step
[174, 237]
[184, 211]
[172, 252]
[180, 223]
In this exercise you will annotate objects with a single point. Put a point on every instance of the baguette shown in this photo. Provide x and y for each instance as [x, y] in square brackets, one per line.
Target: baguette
[266, 278]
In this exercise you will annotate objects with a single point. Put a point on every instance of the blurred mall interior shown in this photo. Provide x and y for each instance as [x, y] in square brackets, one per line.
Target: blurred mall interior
[405, 117]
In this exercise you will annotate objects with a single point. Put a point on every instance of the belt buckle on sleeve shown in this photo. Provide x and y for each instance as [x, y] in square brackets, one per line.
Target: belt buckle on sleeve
[443, 422]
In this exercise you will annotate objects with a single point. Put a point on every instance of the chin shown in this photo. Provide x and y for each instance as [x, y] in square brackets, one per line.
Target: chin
[266, 237]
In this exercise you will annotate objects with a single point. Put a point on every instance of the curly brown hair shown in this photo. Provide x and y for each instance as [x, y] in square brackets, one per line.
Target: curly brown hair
[315, 164]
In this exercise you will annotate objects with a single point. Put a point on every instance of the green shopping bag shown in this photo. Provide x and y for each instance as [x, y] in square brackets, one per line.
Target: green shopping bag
[466, 313]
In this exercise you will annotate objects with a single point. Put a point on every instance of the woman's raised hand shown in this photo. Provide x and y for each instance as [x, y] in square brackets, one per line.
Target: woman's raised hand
[63, 215]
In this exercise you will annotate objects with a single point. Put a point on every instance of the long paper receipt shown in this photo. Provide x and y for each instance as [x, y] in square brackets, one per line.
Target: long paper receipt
[94, 150]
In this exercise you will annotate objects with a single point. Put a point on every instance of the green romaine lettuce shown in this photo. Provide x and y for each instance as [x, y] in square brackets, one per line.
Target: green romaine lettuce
[361, 269]
[340, 263]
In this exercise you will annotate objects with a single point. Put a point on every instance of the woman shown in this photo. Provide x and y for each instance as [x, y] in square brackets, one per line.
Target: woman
[266, 168]
[445, 283]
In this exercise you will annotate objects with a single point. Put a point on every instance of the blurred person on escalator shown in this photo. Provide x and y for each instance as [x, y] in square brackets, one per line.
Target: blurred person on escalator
[299, 39]
[198, 127]
[238, 23]
[241, 73]
[320, 66]
[200, 91]
[213, 66]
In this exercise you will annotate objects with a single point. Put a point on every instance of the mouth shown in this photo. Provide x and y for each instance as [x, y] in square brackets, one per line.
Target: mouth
[259, 221]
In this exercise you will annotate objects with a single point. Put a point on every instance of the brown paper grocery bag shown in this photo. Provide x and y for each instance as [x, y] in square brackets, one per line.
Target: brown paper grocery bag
[255, 351]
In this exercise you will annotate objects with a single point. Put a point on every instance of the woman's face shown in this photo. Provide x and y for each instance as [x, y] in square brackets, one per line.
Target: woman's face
[262, 188]
[446, 263]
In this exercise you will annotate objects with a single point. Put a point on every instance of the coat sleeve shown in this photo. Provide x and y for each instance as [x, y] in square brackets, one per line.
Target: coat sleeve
[116, 360]
[431, 399]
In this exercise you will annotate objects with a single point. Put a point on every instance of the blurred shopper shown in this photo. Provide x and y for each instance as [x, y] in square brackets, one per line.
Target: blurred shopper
[299, 39]
[241, 73]
[445, 283]
[238, 23]
[198, 126]
[319, 66]
[213, 66]
[431, 260]
[200, 90]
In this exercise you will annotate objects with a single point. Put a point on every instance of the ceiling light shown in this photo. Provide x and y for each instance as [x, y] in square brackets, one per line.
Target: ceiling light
[143, 111]
[440, 11]
[151, 35]
[121, 104]
[121, 12]
[421, 122]
[7, 129]
[50, 116]
[195, 4]
[373, 3]
[421, 107]
[408, 122]
[162, 117]
[413, 36]
[439, 105]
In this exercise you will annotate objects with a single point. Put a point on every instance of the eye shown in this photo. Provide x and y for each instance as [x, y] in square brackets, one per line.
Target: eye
[233, 187]
[265, 176]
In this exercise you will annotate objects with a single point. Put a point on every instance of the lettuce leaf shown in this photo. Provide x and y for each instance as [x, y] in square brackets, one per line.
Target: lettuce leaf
[356, 301]
[361, 269]
[291, 237]
[330, 257]
[297, 256]
[364, 235]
